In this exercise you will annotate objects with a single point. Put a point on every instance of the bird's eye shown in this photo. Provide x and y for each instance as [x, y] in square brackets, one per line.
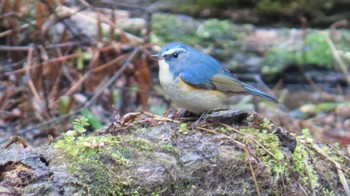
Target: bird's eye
[175, 54]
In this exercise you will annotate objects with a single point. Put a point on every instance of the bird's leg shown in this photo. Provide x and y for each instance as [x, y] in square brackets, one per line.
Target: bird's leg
[195, 124]
[173, 114]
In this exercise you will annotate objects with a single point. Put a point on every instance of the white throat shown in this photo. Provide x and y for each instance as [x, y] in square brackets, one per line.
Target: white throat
[165, 77]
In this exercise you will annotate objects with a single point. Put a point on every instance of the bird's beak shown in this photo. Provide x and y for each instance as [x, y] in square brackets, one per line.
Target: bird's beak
[158, 56]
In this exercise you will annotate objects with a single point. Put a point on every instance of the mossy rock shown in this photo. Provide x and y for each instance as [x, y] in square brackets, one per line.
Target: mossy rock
[152, 156]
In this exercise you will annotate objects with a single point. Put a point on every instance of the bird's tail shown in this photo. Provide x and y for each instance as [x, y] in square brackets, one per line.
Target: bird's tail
[264, 95]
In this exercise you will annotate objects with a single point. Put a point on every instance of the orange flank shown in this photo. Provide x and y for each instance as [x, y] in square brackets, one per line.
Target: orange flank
[185, 87]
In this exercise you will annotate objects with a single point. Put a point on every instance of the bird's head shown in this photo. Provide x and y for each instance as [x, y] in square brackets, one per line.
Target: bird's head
[177, 55]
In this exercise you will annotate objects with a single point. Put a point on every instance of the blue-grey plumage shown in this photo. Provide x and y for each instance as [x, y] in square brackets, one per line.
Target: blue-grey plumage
[198, 82]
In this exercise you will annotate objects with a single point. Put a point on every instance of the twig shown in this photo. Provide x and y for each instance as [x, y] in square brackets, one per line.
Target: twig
[87, 104]
[338, 59]
[123, 5]
[16, 48]
[48, 46]
[9, 32]
[253, 174]
[335, 163]
[53, 11]
[309, 175]
[302, 189]
[17, 140]
[108, 64]
[160, 117]
[112, 79]
[250, 137]
[106, 24]
[23, 131]
[77, 84]
[312, 83]
[30, 81]
[53, 60]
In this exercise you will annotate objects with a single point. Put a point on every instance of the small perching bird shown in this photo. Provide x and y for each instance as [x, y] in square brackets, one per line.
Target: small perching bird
[197, 82]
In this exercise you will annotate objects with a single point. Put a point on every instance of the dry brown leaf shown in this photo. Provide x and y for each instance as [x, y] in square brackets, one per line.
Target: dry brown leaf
[143, 77]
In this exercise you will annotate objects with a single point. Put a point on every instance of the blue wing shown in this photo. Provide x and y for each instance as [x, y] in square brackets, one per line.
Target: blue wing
[199, 73]
[211, 75]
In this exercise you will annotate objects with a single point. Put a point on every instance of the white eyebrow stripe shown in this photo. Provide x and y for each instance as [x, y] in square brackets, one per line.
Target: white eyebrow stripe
[174, 50]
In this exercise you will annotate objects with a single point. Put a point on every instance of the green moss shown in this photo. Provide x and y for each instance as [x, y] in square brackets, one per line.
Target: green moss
[79, 124]
[325, 191]
[183, 128]
[267, 124]
[212, 33]
[245, 186]
[222, 129]
[317, 50]
[306, 133]
[168, 148]
[314, 51]
[105, 163]
[169, 28]
[302, 165]
[95, 160]
[140, 143]
[266, 146]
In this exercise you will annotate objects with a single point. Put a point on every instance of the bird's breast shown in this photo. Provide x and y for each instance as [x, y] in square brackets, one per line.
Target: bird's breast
[187, 96]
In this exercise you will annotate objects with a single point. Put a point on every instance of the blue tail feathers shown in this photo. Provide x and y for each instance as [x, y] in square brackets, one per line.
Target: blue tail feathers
[266, 96]
[261, 94]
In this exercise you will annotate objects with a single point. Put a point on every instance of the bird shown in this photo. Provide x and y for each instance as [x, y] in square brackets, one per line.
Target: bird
[197, 82]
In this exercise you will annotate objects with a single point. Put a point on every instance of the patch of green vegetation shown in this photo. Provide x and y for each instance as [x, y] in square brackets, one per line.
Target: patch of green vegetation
[222, 129]
[325, 191]
[318, 108]
[266, 146]
[93, 121]
[170, 28]
[212, 33]
[64, 104]
[183, 128]
[315, 51]
[301, 161]
[168, 148]
[267, 124]
[302, 165]
[306, 133]
[139, 143]
[103, 162]
[91, 160]
[80, 123]
[95, 160]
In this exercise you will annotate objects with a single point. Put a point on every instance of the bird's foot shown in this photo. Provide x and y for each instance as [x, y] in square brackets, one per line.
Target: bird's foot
[176, 114]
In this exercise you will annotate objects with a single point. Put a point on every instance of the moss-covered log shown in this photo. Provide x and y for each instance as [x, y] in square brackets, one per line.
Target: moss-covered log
[155, 156]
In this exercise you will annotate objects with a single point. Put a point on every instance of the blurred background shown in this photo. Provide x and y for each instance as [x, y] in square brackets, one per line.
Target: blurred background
[62, 59]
